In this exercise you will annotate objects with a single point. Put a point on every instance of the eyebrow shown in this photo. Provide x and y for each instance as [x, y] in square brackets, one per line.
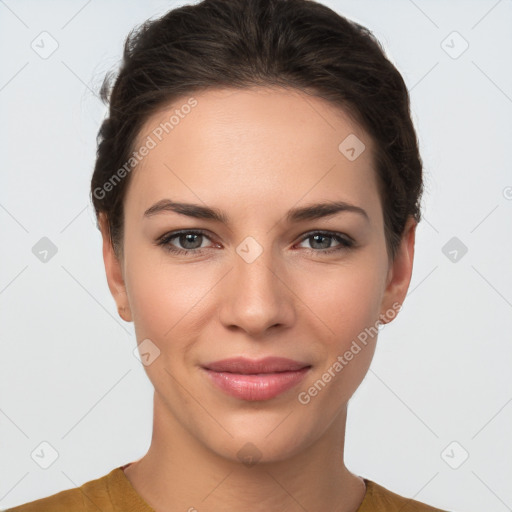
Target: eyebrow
[309, 212]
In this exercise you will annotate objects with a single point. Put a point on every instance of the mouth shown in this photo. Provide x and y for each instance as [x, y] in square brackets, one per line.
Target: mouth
[262, 379]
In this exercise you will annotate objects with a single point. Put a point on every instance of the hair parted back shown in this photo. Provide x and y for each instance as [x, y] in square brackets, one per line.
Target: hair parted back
[299, 44]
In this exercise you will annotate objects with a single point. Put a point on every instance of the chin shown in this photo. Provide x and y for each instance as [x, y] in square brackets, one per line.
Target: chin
[267, 441]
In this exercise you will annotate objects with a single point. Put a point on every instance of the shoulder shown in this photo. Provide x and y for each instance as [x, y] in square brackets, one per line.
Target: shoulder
[92, 495]
[379, 498]
[69, 500]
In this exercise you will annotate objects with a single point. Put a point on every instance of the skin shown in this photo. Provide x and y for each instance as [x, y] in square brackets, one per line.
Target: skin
[254, 154]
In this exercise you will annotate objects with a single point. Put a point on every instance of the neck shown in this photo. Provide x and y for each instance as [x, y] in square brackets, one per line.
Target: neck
[180, 473]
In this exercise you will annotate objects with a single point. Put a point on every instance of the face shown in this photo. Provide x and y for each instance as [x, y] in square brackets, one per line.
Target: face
[255, 272]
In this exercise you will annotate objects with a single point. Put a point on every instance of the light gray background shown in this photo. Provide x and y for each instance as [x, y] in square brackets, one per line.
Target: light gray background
[441, 372]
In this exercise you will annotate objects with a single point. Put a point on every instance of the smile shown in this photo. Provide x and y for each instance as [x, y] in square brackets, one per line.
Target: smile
[256, 380]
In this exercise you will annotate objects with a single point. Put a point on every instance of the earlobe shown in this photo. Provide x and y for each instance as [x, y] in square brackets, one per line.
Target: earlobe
[113, 271]
[399, 275]
[125, 313]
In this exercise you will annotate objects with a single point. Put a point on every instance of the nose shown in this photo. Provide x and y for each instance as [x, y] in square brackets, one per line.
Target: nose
[256, 297]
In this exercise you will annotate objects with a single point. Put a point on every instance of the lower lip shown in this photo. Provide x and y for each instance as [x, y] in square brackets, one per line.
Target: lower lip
[263, 386]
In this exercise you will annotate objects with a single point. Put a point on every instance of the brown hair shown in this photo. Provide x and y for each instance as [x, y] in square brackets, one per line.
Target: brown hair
[300, 44]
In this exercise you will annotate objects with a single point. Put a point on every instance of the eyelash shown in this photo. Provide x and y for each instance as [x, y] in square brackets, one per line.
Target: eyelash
[164, 241]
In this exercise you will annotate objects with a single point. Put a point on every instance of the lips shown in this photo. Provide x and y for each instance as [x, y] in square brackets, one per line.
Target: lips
[250, 366]
[250, 379]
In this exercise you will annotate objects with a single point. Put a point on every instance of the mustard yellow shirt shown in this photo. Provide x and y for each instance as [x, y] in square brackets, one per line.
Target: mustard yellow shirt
[114, 492]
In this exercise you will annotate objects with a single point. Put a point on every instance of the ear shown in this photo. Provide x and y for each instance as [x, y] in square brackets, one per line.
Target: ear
[114, 271]
[399, 274]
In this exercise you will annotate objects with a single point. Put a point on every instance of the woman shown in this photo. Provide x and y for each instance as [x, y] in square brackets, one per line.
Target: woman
[257, 188]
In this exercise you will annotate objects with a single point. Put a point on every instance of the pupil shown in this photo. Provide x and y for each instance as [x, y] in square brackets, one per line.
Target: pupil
[189, 239]
[325, 244]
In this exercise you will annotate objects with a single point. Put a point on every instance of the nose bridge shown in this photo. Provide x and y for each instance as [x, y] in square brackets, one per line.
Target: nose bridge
[255, 298]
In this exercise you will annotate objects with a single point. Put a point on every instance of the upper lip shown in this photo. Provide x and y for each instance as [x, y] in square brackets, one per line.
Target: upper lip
[244, 365]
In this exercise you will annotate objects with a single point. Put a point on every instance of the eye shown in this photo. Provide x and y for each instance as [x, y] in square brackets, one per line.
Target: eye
[190, 240]
[322, 241]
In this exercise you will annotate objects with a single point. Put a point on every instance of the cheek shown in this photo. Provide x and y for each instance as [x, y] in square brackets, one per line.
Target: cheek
[348, 302]
[163, 303]
[166, 299]
[346, 299]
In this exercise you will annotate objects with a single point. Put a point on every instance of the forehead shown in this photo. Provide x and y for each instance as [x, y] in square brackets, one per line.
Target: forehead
[254, 146]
